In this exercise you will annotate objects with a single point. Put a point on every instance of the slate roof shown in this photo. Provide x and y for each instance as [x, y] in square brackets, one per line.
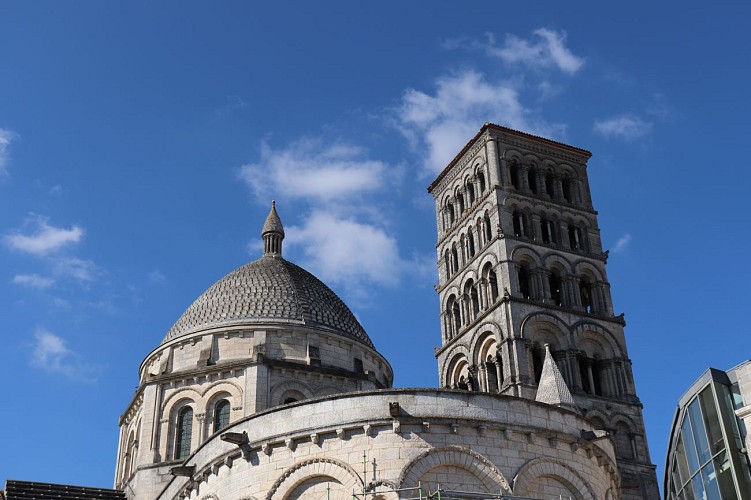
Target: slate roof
[552, 389]
[270, 290]
[22, 490]
[273, 223]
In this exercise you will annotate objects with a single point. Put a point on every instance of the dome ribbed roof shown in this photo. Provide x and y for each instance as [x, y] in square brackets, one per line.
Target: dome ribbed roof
[270, 290]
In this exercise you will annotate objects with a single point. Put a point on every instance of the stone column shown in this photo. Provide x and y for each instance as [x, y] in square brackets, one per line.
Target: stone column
[543, 278]
[495, 170]
[482, 292]
[524, 178]
[535, 227]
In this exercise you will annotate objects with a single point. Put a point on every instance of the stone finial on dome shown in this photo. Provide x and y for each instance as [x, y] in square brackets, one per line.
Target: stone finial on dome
[272, 233]
[552, 388]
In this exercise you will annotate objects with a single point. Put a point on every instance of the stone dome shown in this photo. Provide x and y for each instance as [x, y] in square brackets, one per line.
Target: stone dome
[270, 290]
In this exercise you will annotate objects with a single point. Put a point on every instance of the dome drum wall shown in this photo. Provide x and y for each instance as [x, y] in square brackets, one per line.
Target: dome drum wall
[312, 347]
[471, 442]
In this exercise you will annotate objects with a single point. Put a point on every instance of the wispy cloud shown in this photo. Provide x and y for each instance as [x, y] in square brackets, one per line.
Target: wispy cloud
[442, 123]
[45, 238]
[156, 277]
[50, 353]
[33, 280]
[310, 169]
[546, 48]
[622, 243]
[6, 137]
[626, 127]
[82, 270]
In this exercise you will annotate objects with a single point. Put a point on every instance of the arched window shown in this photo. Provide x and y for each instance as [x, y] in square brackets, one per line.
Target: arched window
[556, 287]
[585, 292]
[184, 430]
[624, 441]
[460, 201]
[221, 414]
[487, 228]
[454, 316]
[471, 193]
[451, 214]
[524, 277]
[516, 176]
[532, 180]
[470, 293]
[574, 237]
[447, 261]
[471, 244]
[493, 284]
[289, 400]
[549, 186]
[481, 182]
[454, 258]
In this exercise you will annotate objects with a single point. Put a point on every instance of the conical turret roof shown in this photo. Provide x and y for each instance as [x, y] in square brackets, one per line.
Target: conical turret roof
[552, 388]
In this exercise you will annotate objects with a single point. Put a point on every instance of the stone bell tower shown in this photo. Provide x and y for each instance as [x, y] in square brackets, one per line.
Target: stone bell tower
[521, 265]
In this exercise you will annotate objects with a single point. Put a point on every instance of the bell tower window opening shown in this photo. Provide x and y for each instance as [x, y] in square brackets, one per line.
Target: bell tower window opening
[556, 288]
[487, 228]
[471, 193]
[454, 258]
[451, 215]
[493, 284]
[460, 201]
[585, 292]
[524, 278]
[184, 431]
[574, 237]
[520, 224]
[471, 244]
[537, 360]
[516, 176]
[481, 182]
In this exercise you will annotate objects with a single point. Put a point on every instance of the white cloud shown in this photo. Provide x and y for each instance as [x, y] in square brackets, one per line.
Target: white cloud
[33, 280]
[443, 123]
[546, 48]
[45, 239]
[50, 353]
[625, 127]
[307, 169]
[622, 243]
[6, 137]
[346, 251]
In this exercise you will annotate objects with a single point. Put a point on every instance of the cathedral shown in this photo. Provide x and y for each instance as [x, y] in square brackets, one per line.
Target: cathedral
[267, 386]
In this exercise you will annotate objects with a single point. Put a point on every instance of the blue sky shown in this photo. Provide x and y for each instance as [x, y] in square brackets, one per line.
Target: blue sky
[141, 144]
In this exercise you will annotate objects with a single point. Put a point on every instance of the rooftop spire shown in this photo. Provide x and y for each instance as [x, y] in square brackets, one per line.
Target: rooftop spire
[272, 233]
[552, 389]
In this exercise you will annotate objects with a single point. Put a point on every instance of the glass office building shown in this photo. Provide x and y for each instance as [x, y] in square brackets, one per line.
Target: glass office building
[707, 456]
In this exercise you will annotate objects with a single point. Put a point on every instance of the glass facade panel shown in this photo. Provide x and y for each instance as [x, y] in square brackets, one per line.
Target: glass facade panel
[680, 460]
[700, 435]
[711, 421]
[688, 443]
[724, 475]
[698, 487]
[710, 482]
